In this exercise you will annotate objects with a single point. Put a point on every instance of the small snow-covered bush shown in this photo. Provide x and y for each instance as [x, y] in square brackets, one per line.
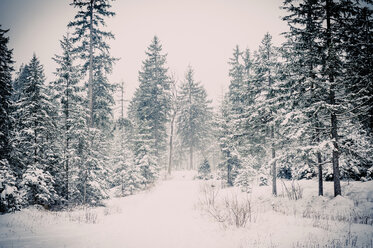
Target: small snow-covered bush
[204, 171]
[239, 211]
[246, 175]
[232, 210]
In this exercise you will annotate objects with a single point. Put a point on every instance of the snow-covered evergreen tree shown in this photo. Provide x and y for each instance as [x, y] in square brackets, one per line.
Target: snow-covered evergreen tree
[91, 44]
[149, 112]
[195, 116]
[9, 196]
[204, 170]
[34, 138]
[66, 92]
[246, 174]
[230, 163]
[90, 40]
[145, 154]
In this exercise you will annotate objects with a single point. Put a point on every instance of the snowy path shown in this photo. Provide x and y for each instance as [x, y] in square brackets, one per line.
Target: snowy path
[163, 217]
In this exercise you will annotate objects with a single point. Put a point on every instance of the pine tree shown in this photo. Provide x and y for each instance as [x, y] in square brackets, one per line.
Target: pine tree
[266, 79]
[303, 59]
[145, 154]
[67, 94]
[90, 40]
[242, 137]
[150, 106]
[34, 138]
[246, 175]
[5, 96]
[93, 49]
[236, 86]
[230, 163]
[204, 170]
[9, 196]
[194, 119]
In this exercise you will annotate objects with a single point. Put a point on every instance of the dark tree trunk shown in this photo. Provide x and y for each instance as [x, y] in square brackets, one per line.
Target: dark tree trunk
[274, 172]
[319, 162]
[333, 116]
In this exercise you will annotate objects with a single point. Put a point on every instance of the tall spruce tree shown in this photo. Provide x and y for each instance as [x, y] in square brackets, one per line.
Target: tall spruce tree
[195, 117]
[66, 92]
[93, 49]
[149, 110]
[301, 53]
[9, 196]
[34, 138]
[266, 79]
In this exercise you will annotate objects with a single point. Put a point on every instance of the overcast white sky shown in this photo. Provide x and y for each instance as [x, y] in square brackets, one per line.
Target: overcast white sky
[201, 33]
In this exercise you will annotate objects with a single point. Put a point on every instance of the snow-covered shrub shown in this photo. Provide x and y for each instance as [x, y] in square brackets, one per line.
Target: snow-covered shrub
[132, 180]
[37, 187]
[204, 170]
[209, 194]
[9, 195]
[263, 177]
[232, 210]
[246, 175]
[239, 211]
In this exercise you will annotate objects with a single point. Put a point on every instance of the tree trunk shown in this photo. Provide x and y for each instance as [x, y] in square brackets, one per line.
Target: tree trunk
[274, 172]
[319, 158]
[333, 116]
[67, 142]
[319, 161]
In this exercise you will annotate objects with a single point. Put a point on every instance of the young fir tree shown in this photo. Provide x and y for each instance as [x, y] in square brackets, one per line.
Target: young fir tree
[66, 91]
[93, 49]
[194, 119]
[204, 170]
[266, 80]
[9, 196]
[33, 139]
[230, 162]
[243, 136]
[149, 110]
[236, 86]
[246, 174]
[145, 154]
[126, 173]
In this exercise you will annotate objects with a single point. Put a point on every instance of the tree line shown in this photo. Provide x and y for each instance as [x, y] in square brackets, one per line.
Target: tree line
[303, 109]
[300, 110]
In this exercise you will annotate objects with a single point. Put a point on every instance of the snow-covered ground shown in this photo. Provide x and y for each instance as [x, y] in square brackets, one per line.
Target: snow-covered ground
[173, 215]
